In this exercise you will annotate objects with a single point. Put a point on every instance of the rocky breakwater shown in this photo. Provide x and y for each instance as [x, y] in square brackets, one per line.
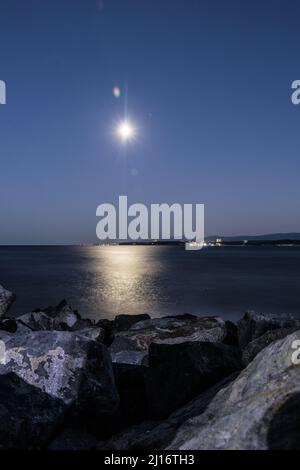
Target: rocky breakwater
[178, 382]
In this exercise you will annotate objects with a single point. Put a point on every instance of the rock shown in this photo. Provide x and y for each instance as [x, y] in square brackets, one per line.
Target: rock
[9, 325]
[6, 300]
[124, 322]
[284, 430]
[66, 366]
[66, 318]
[258, 411]
[126, 439]
[29, 417]
[36, 321]
[62, 310]
[255, 346]
[59, 318]
[107, 326]
[154, 435]
[93, 333]
[62, 318]
[130, 357]
[231, 337]
[168, 330]
[74, 439]
[130, 383]
[254, 324]
[179, 372]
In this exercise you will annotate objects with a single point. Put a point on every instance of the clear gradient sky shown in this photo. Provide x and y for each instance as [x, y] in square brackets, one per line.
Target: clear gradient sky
[208, 84]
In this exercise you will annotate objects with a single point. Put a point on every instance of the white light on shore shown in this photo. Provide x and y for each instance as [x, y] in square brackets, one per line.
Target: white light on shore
[126, 131]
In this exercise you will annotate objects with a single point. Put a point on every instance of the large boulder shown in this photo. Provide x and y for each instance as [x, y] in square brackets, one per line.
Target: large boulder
[167, 330]
[71, 439]
[29, 417]
[64, 317]
[6, 300]
[35, 321]
[154, 435]
[130, 357]
[258, 344]
[130, 383]
[68, 367]
[259, 410]
[124, 322]
[61, 318]
[231, 337]
[179, 372]
[8, 324]
[254, 324]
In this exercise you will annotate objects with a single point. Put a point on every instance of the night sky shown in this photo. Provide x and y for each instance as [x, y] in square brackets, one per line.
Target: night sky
[206, 82]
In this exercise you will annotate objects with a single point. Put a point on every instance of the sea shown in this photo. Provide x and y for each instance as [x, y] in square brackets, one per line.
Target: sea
[104, 281]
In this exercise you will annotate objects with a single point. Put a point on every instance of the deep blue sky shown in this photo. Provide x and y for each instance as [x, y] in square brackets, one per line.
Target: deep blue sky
[208, 85]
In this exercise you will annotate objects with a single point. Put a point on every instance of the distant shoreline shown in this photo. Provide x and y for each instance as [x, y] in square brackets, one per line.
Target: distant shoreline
[208, 244]
[213, 243]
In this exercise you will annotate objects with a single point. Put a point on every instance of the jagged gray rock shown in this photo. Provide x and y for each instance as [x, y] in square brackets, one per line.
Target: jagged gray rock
[255, 324]
[167, 330]
[29, 417]
[74, 439]
[179, 372]
[124, 322]
[154, 435]
[6, 300]
[130, 383]
[69, 367]
[35, 321]
[130, 357]
[60, 318]
[258, 344]
[255, 411]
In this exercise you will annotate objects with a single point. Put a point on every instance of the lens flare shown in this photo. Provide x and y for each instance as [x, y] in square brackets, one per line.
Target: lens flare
[116, 92]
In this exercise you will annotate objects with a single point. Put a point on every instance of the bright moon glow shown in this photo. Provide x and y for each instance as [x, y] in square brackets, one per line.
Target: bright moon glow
[126, 131]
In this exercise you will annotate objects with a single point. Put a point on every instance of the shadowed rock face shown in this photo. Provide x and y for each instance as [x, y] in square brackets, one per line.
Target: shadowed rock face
[168, 330]
[179, 372]
[150, 435]
[284, 430]
[130, 383]
[249, 412]
[253, 325]
[74, 439]
[124, 322]
[66, 366]
[6, 300]
[29, 418]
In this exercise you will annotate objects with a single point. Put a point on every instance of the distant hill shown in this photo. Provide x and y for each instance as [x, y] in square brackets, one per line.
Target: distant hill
[270, 236]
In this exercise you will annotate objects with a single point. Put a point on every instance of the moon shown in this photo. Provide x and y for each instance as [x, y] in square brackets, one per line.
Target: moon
[126, 131]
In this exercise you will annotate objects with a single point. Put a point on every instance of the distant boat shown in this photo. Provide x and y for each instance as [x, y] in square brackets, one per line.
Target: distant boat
[194, 245]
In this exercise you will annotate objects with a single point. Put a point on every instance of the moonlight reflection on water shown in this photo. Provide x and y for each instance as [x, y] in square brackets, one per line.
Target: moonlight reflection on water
[103, 281]
[128, 279]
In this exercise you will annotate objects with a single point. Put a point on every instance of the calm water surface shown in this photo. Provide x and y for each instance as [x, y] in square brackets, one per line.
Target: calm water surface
[104, 281]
